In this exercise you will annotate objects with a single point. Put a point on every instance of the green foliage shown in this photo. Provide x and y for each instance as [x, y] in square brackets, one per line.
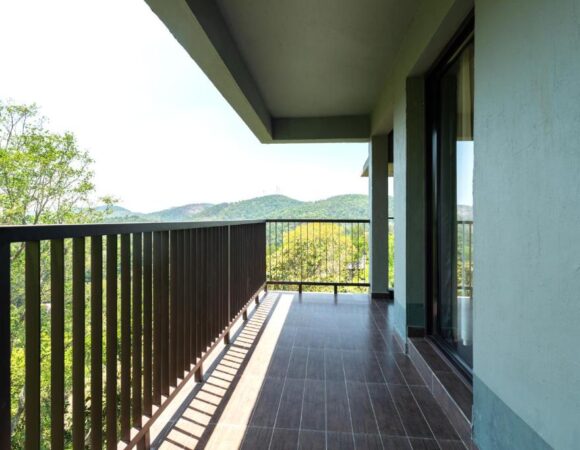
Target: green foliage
[45, 178]
[321, 252]
[351, 206]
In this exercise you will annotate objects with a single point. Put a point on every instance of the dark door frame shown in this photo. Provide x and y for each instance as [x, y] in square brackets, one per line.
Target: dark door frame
[462, 37]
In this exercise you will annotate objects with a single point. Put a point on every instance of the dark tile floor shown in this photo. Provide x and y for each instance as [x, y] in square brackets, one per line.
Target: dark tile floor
[336, 379]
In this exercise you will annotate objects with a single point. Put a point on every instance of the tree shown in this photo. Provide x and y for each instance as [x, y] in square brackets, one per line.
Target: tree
[322, 252]
[45, 178]
[326, 252]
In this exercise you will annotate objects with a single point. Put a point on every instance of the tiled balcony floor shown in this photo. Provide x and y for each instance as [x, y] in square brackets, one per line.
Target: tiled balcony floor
[313, 372]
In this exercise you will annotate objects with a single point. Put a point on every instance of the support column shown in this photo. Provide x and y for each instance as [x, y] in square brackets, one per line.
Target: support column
[410, 212]
[379, 215]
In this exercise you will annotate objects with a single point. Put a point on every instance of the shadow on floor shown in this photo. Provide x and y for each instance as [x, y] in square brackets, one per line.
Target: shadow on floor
[314, 371]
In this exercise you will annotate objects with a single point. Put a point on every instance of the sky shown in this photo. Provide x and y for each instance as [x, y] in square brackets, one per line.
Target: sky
[465, 154]
[160, 133]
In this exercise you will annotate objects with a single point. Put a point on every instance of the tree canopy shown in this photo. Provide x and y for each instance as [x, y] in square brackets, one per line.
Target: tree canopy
[45, 177]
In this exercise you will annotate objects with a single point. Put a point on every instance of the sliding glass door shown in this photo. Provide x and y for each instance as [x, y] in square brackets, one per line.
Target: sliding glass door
[450, 95]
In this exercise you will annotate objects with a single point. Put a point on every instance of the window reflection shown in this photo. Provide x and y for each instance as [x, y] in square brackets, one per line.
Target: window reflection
[455, 204]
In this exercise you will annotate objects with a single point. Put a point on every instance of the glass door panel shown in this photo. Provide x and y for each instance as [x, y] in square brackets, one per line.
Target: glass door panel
[454, 204]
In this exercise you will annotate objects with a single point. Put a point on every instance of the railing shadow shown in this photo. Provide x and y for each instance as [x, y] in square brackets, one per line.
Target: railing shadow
[195, 420]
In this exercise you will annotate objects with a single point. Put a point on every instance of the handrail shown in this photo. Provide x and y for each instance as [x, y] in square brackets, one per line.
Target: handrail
[22, 233]
[323, 220]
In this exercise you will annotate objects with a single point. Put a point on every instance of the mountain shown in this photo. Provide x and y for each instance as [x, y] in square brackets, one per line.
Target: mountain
[255, 208]
[351, 206]
[116, 211]
[178, 213]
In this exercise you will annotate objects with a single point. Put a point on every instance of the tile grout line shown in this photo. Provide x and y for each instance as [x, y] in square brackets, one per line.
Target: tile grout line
[249, 353]
[393, 401]
[347, 399]
[389, 389]
[368, 392]
[282, 392]
[198, 386]
[303, 395]
[430, 390]
[385, 378]
[325, 399]
[417, 403]
[422, 412]
[374, 414]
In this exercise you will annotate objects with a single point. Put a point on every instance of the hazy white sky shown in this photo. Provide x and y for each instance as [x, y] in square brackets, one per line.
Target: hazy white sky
[161, 135]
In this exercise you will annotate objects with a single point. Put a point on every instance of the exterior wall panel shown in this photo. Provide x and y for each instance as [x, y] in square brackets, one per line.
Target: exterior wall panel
[527, 210]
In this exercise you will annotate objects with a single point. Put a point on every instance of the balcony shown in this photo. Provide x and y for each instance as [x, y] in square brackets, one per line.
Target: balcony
[165, 335]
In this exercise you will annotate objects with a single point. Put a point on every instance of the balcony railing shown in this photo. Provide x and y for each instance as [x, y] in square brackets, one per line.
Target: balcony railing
[465, 258]
[319, 253]
[109, 322]
[137, 306]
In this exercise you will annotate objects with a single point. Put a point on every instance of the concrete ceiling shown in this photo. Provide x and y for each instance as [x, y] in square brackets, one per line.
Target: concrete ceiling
[317, 58]
[294, 70]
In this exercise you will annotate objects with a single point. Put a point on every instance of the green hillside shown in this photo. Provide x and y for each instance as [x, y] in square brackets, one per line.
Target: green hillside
[178, 213]
[256, 208]
[351, 206]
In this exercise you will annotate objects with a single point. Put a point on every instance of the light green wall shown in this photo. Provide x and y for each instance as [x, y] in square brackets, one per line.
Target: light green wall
[400, 187]
[409, 157]
[401, 108]
[415, 244]
[527, 212]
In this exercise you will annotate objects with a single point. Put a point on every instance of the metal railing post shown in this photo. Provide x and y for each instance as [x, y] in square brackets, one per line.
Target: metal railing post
[5, 426]
[229, 274]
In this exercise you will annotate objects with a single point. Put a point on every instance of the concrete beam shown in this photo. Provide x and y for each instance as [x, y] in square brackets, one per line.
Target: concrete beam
[365, 168]
[199, 27]
[321, 129]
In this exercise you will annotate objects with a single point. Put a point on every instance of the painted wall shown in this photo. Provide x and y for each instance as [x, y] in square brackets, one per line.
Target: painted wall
[527, 222]
[400, 185]
[415, 244]
[401, 108]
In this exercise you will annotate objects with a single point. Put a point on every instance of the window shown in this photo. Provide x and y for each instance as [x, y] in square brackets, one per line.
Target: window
[450, 95]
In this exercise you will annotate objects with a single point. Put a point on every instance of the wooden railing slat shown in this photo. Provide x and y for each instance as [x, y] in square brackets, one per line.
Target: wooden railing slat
[32, 350]
[173, 302]
[111, 333]
[78, 341]
[125, 337]
[137, 335]
[147, 323]
[97, 342]
[5, 346]
[165, 315]
[57, 343]
[180, 307]
[157, 319]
